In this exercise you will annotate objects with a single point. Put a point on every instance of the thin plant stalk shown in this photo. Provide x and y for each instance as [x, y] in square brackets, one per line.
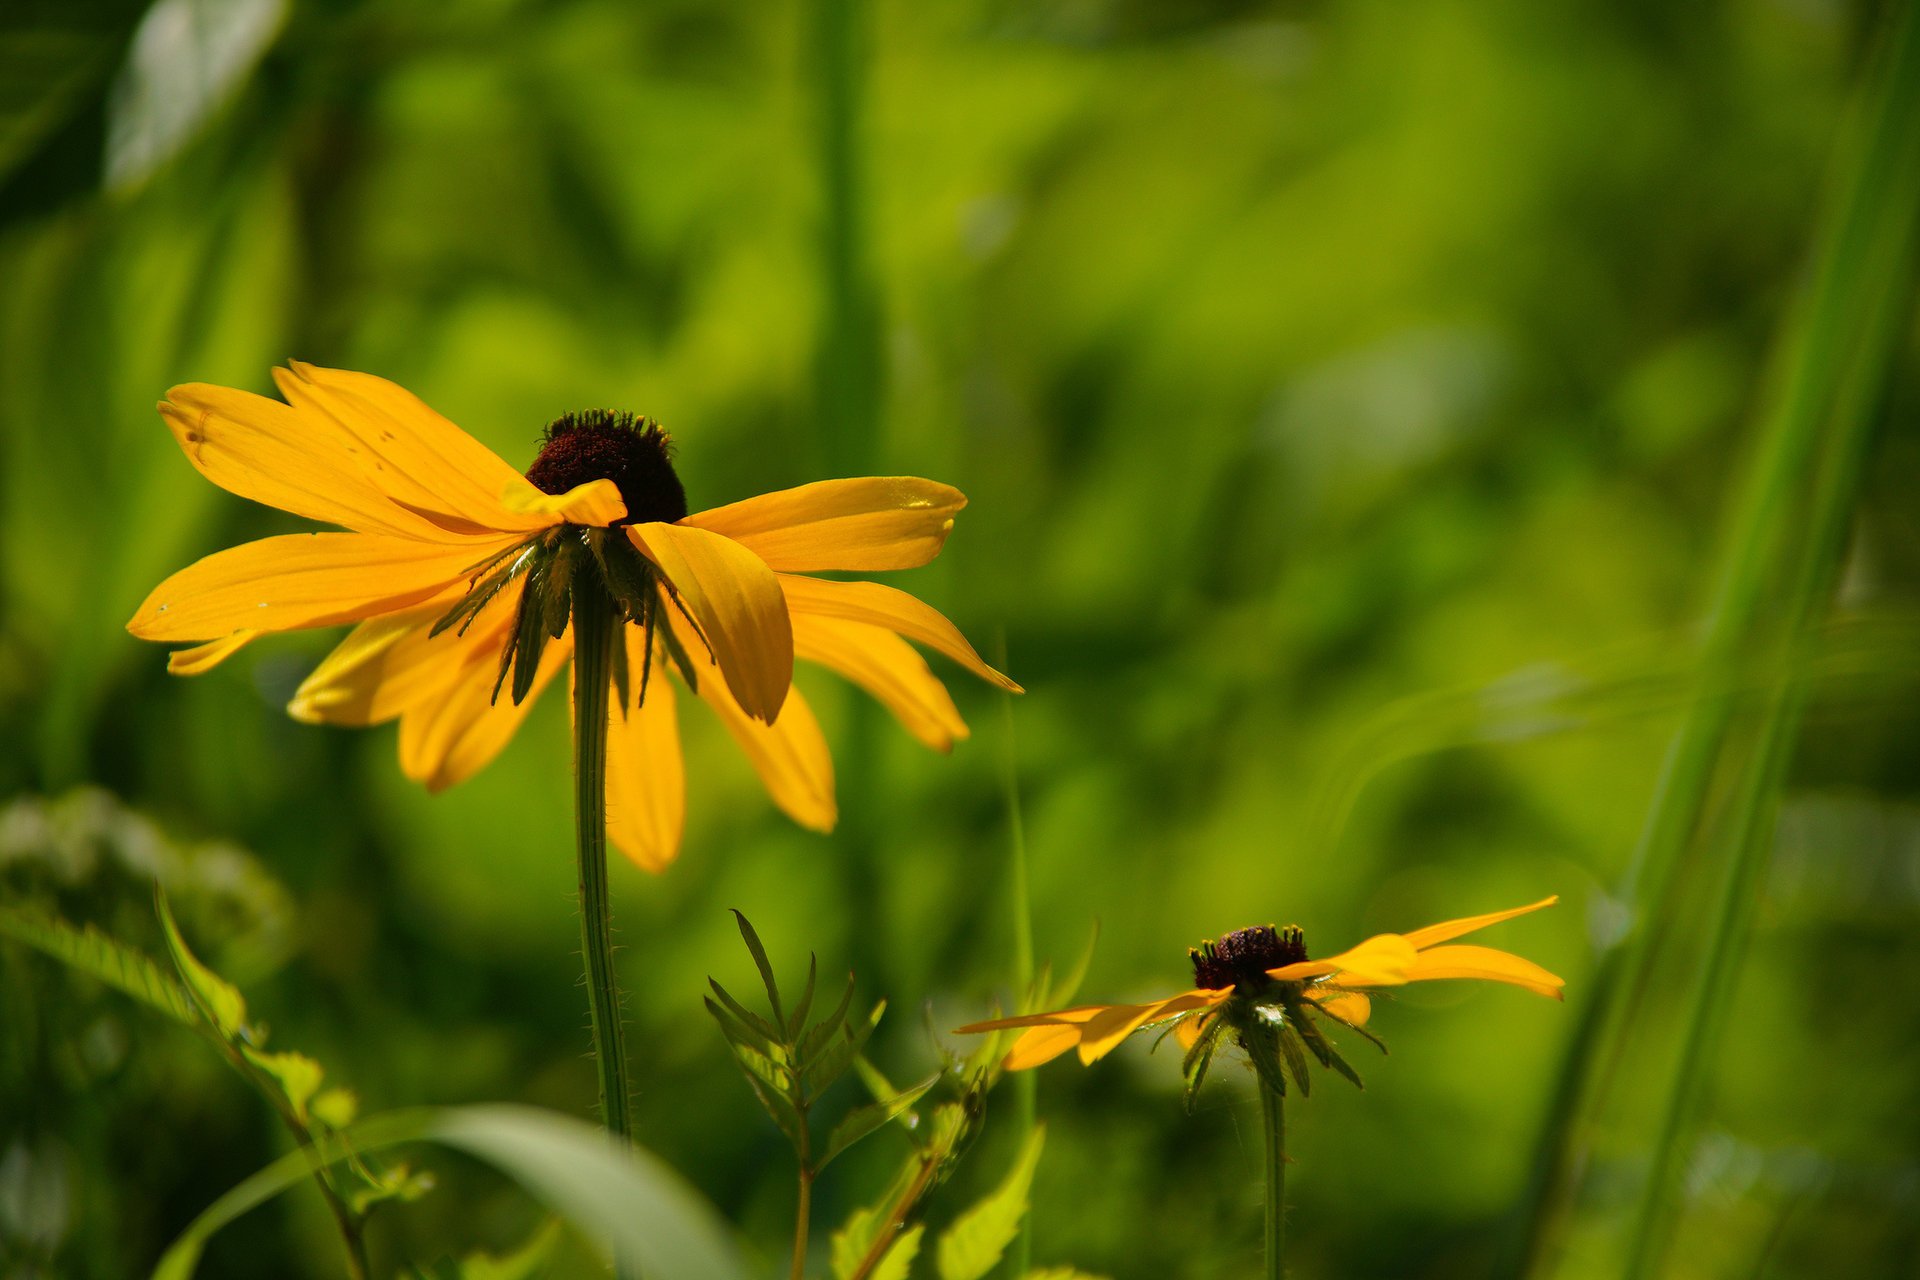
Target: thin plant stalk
[803, 1211]
[1832, 375]
[1020, 910]
[595, 632]
[1273, 1118]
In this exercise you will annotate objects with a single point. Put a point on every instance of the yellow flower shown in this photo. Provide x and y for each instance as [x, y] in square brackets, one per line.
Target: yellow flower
[457, 570]
[1259, 984]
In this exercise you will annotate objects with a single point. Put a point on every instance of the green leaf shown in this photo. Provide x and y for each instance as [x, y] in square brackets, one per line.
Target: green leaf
[822, 1031]
[861, 1121]
[973, 1245]
[217, 998]
[798, 1018]
[336, 1108]
[761, 963]
[900, 1255]
[297, 1075]
[854, 1242]
[833, 1060]
[626, 1200]
[764, 1036]
[529, 1261]
[773, 1085]
[98, 956]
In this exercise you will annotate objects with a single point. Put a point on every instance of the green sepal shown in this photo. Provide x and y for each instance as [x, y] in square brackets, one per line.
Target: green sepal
[670, 640]
[1199, 1056]
[530, 630]
[556, 594]
[1261, 1041]
[1296, 1061]
[480, 596]
[1319, 1044]
[628, 575]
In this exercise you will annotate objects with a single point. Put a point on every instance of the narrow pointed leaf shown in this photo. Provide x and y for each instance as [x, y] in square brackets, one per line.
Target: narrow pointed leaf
[219, 999]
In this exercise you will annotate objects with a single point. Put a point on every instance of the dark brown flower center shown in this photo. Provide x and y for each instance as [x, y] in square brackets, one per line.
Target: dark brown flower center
[1242, 957]
[600, 444]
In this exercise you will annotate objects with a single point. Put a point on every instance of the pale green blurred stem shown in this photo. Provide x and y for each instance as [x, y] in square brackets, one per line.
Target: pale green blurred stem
[1020, 908]
[595, 631]
[1273, 1116]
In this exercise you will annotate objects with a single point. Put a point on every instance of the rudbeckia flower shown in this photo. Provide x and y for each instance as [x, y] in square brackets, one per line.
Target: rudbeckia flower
[1260, 986]
[459, 574]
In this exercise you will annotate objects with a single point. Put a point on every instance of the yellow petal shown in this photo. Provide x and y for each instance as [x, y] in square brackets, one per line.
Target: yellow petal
[452, 736]
[1058, 1017]
[1187, 1030]
[790, 755]
[1423, 938]
[1381, 961]
[882, 606]
[646, 780]
[1104, 1032]
[390, 663]
[202, 658]
[736, 600]
[415, 456]
[1350, 1007]
[302, 580]
[268, 452]
[597, 502]
[888, 668]
[1042, 1044]
[871, 523]
[1464, 960]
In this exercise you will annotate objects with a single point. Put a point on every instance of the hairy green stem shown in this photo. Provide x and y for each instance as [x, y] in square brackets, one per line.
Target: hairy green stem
[595, 631]
[1273, 1116]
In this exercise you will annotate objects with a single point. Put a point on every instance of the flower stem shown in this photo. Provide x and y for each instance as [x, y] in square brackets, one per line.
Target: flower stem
[1273, 1112]
[595, 631]
[801, 1216]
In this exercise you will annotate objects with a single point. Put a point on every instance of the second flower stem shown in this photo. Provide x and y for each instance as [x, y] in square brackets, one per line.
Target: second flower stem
[595, 632]
[1274, 1116]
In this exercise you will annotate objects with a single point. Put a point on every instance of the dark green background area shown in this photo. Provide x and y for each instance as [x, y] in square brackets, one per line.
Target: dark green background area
[1349, 397]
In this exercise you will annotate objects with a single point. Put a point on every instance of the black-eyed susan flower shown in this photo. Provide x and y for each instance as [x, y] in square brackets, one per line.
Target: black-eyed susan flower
[1260, 986]
[463, 578]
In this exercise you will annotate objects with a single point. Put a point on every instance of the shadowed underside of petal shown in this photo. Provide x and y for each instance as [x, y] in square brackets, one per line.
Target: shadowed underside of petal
[302, 580]
[1351, 1007]
[737, 601]
[416, 457]
[268, 452]
[882, 606]
[202, 658]
[451, 736]
[888, 668]
[1040, 1045]
[388, 664]
[1450, 929]
[1464, 960]
[1103, 1033]
[646, 779]
[790, 755]
[862, 525]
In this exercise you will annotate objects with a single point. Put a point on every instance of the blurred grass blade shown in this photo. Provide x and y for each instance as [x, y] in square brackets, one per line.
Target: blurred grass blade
[626, 1200]
[1778, 565]
[95, 954]
[55, 57]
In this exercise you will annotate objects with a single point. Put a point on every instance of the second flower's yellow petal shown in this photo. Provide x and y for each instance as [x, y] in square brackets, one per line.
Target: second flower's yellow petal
[1450, 929]
[597, 502]
[862, 525]
[882, 606]
[301, 580]
[1381, 961]
[453, 735]
[790, 755]
[888, 668]
[1350, 1007]
[1041, 1044]
[1464, 960]
[736, 600]
[202, 658]
[646, 778]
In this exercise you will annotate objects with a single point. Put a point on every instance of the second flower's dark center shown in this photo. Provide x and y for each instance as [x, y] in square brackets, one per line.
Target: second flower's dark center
[600, 444]
[1243, 957]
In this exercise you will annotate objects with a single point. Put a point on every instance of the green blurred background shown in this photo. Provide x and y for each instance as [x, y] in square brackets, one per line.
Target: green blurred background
[1302, 362]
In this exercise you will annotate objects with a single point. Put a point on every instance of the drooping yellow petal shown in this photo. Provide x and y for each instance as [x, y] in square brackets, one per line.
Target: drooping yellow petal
[202, 658]
[453, 735]
[1450, 929]
[882, 606]
[1350, 1007]
[266, 451]
[1464, 960]
[1187, 1031]
[597, 502]
[1041, 1044]
[646, 779]
[790, 755]
[388, 664]
[1381, 961]
[1056, 1018]
[302, 580]
[736, 600]
[862, 525]
[888, 668]
[415, 456]
[1103, 1033]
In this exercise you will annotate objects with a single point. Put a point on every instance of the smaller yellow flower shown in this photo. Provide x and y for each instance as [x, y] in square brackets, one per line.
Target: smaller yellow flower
[1260, 985]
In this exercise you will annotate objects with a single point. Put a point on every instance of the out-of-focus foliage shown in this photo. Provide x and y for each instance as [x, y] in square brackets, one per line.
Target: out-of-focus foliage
[1347, 395]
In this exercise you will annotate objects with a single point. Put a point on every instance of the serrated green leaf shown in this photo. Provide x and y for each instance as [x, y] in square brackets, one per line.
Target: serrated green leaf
[855, 1242]
[862, 1121]
[974, 1244]
[839, 1054]
[773, 1085]
[98, 956]
[219, 999]
[297, 1075]
[760, 962]
[820, 1032]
